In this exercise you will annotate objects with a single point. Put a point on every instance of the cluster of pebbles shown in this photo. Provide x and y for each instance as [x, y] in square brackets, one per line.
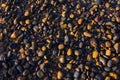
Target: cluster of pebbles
[59, 39]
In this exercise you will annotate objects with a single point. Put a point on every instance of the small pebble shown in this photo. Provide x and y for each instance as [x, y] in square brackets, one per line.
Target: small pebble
[76, 52]
[3, 5]
[80, 21]
[27, 21]
[116, 47]
[95, 54]
[113, 75]
[59, 75]
[61, 46]
[43, 48]
[13, 35]
[61, 59]
[40, 53]
[40, 74]
[69, 66]
[1, 36]
[107, 78]
[76, 74]
[109, 63]
[87, 34]
[26, 13]
[1, 20]
[69, 52]
[102, 60]
[107, 44]
[71, 15]
[89, 57]
[93, 43]
[108, 53]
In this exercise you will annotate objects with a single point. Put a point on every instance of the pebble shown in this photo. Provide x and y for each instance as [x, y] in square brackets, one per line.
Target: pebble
[1, 36]
[113, 75]
[102, 60]
[43, 48]
[95, 54]
[89, 27]
[76, 52]
[3, 5]
[89, 57]
[107, 44]
[71, 15]
[87, 34]
[76, 74]
[108, 53]
[116, 47]
[61, 46]
[59, 75]
[25, 72]
[107, 5]
[69, 65]
[26, 13]
[21, 50]
[13, 35]
[69, 52]
[93, 43]
[109, 36]
[109, 63]
[1, 20]
[107, 78]
[80, 21]
[27, 21]
[61, 59]
[40, 53]
[40, 74]
[118, 19]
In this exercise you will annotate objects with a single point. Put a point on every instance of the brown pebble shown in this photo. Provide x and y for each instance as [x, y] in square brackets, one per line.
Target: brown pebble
[27, 21]
[21, 50]
[109, 36]
[3, 5]
[93, 43]
[107, 44]
[108, 52]
[87, 34]
[26, 13]
[118, 19]
[1, 36]
[107, 78]
[13, 35]
[113, 75]
[116, 47]
[115, 60]
[80, 21]
[96, 18]
[61, 59]
[59, 75]
[43, 48]
[60, 46]
[71, 15]
[69, 52]
[76, 53]
[1, 20]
